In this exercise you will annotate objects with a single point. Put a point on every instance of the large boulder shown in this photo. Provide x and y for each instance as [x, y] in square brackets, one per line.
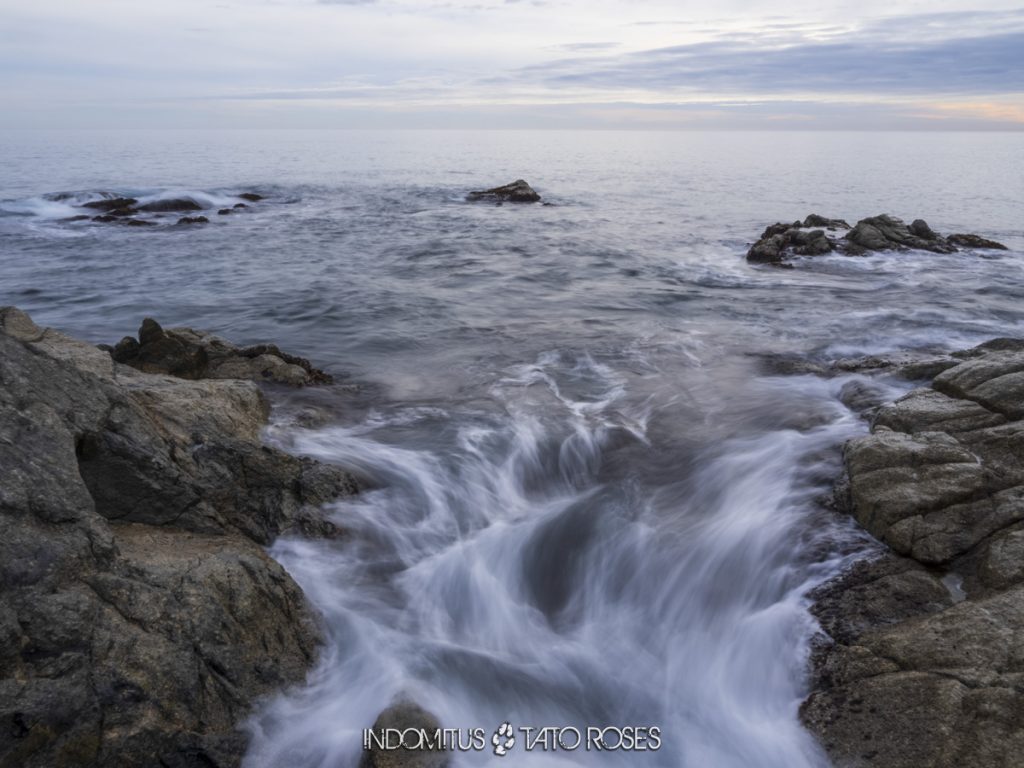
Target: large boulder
[921, 666]
[140, 618]
[516, 192]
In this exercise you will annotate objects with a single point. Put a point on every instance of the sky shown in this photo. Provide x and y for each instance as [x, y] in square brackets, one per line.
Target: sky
[600, 64]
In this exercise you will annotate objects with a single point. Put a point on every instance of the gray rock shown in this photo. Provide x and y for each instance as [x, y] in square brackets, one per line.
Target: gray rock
[974, 241]
[516, 192]
[908, 675]
[192, 354]
[780, 242]
[403, 716]
[139, 615]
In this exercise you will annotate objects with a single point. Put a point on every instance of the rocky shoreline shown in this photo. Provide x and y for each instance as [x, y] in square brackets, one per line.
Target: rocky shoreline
[140, 618]
[922, 663]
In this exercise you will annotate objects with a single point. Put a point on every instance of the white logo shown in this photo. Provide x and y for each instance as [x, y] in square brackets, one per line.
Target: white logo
[503, 739]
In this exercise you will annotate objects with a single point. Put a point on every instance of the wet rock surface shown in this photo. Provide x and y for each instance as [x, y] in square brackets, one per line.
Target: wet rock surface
[818, 235]
[922, 665]
[191, 354]
[140, 618]
[516, 192]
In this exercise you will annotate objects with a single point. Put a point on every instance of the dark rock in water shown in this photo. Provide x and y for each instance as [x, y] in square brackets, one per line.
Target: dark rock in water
[225, 212]
[252, 197]
[920, 228]
[922, 670]
[141, 617]
[111, 204]
[239, 205]
[974, 241]
[191, 354]
[405, 717]
[781, 241]
[80, 217]
[886, 233]
[516, 192]
[193, 220]
[171, 206]
[814, 220]
[139, 223]
[105, 218]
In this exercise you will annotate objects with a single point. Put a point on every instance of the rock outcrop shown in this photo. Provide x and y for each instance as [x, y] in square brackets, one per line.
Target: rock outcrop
[191, 354]
[516, 192]
[118, 209]
[924, 666]
[781, 242]
[139, 615]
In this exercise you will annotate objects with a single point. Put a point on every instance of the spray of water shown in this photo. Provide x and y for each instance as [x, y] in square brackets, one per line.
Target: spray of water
[513, 565]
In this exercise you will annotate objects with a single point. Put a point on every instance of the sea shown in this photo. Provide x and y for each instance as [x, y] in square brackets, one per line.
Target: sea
[591, 496]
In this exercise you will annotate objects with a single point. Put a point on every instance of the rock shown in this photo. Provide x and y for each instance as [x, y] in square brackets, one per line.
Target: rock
[191, 354]
[780, 242]
[239, 205]
[193, 220]
[814, 220]
[885, 233]
[139, 223]
[252, 197]
[140, 618]
[910, 676]
[111, 203]
[974, 241]
[404, 716]
[105, 218]
[516, 192]
[920, 228]
[225, 212]
[80, 217]
[171, 206]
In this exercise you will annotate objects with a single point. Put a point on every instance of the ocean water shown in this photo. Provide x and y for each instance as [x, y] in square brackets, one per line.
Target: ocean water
[588, 501]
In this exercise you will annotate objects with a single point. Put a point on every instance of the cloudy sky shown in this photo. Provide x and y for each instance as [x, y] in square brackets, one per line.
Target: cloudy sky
[888, 64]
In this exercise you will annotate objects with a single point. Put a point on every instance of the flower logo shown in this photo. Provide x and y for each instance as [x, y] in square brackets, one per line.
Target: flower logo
[503, 739]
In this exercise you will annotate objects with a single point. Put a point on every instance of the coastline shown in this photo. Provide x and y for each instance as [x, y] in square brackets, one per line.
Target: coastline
[920, 663]
[141, 617]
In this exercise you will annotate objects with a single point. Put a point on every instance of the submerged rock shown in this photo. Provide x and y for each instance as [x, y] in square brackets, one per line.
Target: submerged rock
[111, 203]
[921, 666]
[140, 618]
[516, 192]
[180, 205]
[252, 197]
[193, 220]
[781, 242]
[191, 354]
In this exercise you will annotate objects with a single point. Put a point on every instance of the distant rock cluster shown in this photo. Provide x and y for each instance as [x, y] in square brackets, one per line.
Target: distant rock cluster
[817, 236]
[113, 209]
